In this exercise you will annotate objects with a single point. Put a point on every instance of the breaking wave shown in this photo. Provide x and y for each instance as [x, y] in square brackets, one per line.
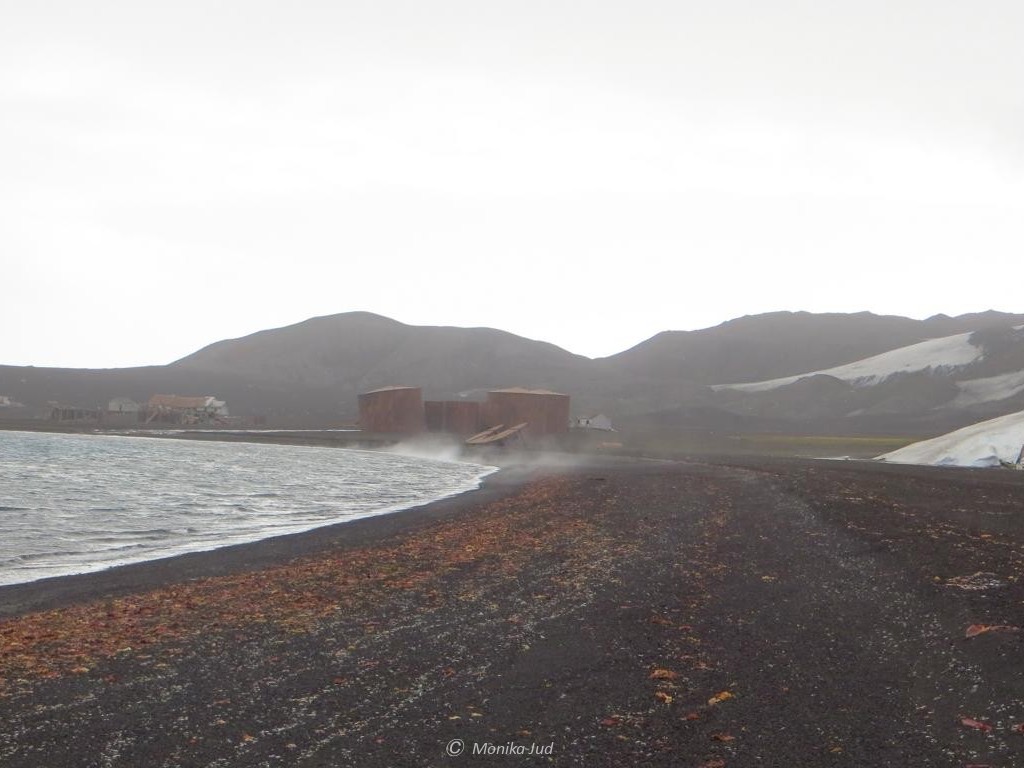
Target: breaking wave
[79, 503]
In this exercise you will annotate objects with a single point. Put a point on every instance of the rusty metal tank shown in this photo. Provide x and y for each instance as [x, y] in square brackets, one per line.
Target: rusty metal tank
[546, 412]
[392, 410]
[458, 417]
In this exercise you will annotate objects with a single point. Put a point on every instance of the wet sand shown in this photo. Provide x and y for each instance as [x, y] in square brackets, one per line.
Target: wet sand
[741, 613]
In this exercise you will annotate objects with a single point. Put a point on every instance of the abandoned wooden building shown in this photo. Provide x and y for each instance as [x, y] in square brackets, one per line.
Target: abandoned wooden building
[177, 409]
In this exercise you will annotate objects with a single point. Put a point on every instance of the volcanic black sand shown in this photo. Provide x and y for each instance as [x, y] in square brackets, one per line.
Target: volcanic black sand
[757, 613]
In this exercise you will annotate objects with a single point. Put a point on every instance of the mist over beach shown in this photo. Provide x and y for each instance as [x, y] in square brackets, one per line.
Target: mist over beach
[460, 384]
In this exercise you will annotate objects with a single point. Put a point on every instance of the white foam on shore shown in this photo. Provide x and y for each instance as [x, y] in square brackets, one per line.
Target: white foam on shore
[73, 504]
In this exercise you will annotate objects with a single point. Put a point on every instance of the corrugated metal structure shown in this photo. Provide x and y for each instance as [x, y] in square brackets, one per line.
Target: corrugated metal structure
[392, 410]
[545, 412]
[459, 417]
[499, 435]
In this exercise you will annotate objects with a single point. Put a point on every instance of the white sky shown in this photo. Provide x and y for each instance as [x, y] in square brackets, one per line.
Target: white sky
[587, 173]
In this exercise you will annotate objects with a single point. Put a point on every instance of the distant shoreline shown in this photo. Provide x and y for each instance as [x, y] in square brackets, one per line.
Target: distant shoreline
[58, 591]
[512, 474]
[340, 437]
[134, 569]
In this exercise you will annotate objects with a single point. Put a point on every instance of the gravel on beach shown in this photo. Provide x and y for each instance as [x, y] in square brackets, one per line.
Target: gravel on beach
[713, 615]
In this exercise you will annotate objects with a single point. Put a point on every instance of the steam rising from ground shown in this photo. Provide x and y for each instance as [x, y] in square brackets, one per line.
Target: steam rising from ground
[436, 447]
[519, 458]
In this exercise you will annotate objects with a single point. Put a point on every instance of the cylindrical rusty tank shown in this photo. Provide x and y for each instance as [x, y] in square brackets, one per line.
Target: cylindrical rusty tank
[546, 413]
[459, 417]
[392, 410]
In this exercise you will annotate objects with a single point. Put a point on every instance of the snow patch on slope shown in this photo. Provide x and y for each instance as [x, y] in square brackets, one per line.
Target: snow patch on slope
[935, 354]
[988, 390]
[980, 445]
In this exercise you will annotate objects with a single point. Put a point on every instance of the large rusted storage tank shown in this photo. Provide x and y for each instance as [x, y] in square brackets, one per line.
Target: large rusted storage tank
[547, 413]
[459, 417]
[394, 410]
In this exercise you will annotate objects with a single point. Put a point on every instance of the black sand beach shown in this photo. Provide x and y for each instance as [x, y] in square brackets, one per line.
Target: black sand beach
[753, 613]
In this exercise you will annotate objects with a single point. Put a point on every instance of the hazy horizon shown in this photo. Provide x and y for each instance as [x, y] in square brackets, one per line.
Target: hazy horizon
[358, 311]
[175, 176]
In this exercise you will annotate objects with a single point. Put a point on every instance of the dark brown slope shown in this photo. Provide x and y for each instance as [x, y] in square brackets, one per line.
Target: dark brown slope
[357, 351]
[309, 374]
[918, 402]
[760, 347]
[354, 352]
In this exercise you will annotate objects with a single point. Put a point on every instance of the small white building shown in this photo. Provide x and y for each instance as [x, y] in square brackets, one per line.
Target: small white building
[598, 421]
[5, 401]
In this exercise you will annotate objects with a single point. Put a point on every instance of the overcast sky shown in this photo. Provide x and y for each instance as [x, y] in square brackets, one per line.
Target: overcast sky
[586, 173]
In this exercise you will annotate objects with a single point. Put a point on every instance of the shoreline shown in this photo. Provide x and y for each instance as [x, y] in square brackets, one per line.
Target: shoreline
[54, 592]
[119, 580]
[231, 557]
[512, 472]
[237, 540]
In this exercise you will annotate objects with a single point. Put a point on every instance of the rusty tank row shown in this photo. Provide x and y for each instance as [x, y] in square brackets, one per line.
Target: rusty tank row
[401, 410]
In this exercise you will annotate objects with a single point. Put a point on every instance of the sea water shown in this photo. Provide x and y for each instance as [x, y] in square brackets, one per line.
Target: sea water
[79, 503]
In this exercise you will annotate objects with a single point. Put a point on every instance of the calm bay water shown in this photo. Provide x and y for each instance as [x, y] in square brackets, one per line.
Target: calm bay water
[78, 503]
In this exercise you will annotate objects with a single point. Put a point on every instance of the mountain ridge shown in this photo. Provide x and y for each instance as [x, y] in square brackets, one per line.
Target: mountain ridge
[310, 372]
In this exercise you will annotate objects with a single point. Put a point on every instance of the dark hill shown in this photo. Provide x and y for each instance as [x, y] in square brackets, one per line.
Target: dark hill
[768, 346]
[358, 351]
[309, 374]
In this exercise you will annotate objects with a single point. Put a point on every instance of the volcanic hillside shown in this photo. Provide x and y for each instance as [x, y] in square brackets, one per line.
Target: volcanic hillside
[799, 370]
